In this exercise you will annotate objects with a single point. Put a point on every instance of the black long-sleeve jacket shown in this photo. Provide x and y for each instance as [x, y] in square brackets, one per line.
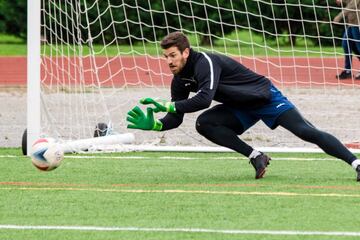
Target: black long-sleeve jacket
[214, 77]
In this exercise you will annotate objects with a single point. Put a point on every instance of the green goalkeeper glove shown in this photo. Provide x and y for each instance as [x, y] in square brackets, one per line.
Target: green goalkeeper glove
[160, 105]
[138, 120]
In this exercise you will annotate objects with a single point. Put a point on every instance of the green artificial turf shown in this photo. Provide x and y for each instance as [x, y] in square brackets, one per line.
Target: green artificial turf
[217, 191]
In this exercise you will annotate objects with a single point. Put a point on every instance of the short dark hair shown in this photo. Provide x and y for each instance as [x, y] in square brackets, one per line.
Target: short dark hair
[177, 39]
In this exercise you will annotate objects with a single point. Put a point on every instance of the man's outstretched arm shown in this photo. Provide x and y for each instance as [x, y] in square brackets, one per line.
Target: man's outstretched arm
[159, 105]
[138, 120]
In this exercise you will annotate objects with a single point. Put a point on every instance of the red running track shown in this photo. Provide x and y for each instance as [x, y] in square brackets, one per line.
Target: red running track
[306, 72]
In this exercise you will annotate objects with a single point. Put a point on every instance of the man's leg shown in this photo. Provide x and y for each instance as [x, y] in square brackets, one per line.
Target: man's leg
[355, 32]
[221, 126]
[355, 36]
[295, 123]
[346, 45]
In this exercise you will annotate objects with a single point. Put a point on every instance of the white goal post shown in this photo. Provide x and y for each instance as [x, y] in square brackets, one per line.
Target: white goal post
[33, 71]
[90, 61]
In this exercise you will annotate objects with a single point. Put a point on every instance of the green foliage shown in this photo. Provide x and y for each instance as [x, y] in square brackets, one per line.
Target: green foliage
[129, 22]
[13, 17]
[295, 18]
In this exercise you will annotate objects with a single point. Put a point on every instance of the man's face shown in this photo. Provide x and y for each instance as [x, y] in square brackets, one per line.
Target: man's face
[175, 59]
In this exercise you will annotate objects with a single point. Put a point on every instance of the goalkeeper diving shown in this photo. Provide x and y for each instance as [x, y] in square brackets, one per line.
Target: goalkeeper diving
[244, 98]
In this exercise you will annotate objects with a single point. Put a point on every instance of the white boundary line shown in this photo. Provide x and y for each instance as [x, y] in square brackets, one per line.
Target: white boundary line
[151, 148]
[187, 230]
[180, 158]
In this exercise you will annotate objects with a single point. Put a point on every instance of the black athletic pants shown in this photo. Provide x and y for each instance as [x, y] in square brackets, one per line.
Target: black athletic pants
[220, 126]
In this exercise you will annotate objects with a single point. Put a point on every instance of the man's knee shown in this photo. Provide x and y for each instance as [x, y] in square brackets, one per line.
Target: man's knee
[202, 124]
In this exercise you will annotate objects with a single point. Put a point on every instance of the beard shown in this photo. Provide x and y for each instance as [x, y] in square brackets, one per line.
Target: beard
[177, 69]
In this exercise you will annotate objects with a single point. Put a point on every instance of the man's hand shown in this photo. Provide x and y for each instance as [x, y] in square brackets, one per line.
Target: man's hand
[138, 120]
[337, 19]
[160, 105]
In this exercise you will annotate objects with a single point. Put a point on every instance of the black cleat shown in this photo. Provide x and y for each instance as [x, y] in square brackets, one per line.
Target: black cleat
[358, 173]
[260, 163]
[344, 75]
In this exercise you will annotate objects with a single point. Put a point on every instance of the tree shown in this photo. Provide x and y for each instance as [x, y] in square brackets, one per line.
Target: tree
[137, 20]
[13, 17]
[295, 18]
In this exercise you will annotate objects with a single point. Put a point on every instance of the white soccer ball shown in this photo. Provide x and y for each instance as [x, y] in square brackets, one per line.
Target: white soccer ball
[46, 155]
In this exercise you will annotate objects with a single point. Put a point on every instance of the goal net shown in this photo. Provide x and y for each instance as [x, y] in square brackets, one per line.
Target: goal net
[98, 58]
